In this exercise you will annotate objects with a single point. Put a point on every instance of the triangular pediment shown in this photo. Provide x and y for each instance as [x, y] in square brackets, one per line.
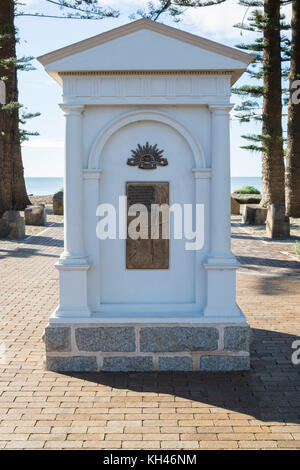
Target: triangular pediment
[145, 45]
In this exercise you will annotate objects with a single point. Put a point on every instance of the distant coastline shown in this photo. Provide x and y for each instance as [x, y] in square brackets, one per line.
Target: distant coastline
[44, 186]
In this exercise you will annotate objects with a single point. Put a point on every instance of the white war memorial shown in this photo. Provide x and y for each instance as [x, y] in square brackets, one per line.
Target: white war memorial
[147, 110]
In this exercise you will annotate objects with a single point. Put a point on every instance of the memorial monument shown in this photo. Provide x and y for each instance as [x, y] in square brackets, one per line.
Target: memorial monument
[147, 110]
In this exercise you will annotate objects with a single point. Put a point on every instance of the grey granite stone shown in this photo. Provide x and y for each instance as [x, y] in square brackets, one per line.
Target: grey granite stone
[72, 364]
[58, 339]
[237, 338]
[224, 363]
[178, 338]
[175, 363]
[106, 339]
[128, 364]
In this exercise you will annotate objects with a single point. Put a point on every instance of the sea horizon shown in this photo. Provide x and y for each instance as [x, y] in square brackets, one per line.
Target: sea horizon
[42, 186]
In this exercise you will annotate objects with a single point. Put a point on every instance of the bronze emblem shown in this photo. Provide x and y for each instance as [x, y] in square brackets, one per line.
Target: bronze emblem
[147, 157]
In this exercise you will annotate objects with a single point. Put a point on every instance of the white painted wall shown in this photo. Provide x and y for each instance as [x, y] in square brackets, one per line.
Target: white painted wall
[137, 286]
[197, 119]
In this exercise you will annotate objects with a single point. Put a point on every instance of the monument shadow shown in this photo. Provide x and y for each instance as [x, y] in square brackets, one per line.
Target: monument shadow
[268, 392]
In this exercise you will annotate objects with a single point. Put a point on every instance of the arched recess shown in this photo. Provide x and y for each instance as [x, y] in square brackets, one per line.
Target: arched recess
[145, 115]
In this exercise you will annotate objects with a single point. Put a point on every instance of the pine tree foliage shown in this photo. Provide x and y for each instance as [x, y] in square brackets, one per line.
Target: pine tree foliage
[174, 8]
[12, 114]
[252, 94]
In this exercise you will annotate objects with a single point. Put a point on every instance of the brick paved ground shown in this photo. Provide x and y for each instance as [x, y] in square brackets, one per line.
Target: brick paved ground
[259, 409]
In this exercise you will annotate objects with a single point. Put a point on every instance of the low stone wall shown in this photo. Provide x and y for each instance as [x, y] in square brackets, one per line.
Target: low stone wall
[247, 198]
[155, 347]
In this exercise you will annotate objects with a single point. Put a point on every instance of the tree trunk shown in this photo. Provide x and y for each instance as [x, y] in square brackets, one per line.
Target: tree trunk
[13, 172]
[272, 157]
[3, 201]
[292, 174]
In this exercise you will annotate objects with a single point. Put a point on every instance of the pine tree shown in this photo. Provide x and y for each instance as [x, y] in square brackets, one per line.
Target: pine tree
[293, 141]
[262, 100]
[173, 8]
[271, 49]
[12, 172]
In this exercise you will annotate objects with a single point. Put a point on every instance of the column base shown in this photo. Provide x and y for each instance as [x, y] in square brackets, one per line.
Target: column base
[147, 347]
[221, 282]
[70, 312]
[72, 290]
[74, 259]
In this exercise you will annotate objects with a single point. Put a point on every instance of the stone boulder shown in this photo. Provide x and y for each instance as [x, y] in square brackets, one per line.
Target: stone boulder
[58, 203]
[4, 228]
[35, 215]
[16, 224]
[235, 207]
[278, 224]
[253, 214]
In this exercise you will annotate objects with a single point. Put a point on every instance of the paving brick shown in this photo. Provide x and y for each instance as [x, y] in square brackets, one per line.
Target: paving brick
[42, 409]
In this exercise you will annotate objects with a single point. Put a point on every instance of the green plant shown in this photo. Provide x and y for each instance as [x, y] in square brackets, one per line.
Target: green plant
[60, 191]
[248, 190]
[297, 248]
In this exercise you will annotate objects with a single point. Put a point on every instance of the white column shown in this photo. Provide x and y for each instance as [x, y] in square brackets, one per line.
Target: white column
[73, 265]
[91, 183]
[221, 263]
[73, 191]
[220, 183]
[202, 192]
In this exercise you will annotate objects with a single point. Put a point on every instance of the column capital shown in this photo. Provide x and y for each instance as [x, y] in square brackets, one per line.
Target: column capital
[221, 109]
[201, 173]
[72, 109]
[91, 174]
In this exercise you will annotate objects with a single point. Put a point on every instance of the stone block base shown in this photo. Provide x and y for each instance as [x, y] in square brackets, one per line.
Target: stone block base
[15, 223]
[58, 203]
[147, 347]
[35, 215]
[235, 206]
[278, 225]
[254, 214]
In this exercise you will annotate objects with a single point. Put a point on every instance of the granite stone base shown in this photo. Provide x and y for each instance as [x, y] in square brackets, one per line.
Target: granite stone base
[152, 347]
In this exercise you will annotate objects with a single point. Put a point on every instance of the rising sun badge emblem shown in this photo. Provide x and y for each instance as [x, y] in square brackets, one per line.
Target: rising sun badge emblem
[147, 157]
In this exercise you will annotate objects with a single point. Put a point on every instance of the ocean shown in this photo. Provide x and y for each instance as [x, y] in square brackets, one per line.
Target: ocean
[43, 186]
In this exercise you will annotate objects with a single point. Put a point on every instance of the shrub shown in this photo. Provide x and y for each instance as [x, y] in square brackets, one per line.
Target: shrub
[297, 247]
[60, 191]
[248, 190]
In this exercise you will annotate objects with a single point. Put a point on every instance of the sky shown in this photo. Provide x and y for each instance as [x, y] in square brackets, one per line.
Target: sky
[43, 155]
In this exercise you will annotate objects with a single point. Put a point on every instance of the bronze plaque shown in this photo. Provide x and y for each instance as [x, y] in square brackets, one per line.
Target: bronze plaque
[148, 252]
